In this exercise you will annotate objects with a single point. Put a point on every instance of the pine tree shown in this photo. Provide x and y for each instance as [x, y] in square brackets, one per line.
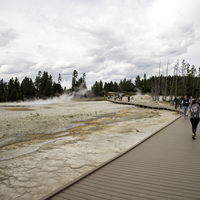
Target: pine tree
[38, 81]
[1, 90]
[84, 81]
[59, 78]
[74, 79]
[105, 87]
[10, 88]
[137, 82]
[27, 88]
[48, 89]
[97, 89]
[115, 87]
[13, 96]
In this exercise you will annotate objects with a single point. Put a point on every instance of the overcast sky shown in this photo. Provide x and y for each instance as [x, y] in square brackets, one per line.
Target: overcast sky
[106, 39]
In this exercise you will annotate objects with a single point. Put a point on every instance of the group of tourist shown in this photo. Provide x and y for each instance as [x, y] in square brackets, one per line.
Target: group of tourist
[189, 106]
[183, 101]
[193, 107]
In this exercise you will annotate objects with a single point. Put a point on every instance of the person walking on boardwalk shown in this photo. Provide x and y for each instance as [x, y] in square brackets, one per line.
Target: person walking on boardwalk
[128, 98]
[180, 102]
[190, 100]
[198, 102]
[185, 105]
[194, 111]
[175, 102]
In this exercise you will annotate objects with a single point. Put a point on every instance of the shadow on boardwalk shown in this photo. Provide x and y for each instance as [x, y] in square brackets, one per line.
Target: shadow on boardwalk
[163, 166]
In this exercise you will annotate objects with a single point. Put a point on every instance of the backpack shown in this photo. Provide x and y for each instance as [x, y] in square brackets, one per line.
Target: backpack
[194, 111]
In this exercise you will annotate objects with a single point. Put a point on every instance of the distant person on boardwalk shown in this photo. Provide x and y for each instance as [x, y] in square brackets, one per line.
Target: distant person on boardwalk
[190, 100]
[175, 102]
[180, 102]
[198, 102]
[128, 98]
[194, 110]
[185, 105]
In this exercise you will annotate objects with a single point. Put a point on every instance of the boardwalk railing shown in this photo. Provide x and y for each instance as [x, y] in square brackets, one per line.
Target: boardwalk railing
[147, 105]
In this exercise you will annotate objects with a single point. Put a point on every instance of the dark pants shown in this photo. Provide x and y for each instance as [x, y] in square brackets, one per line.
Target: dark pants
[194, 122]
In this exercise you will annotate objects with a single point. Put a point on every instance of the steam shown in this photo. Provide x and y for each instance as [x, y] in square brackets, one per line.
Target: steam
[147, 97]
[64, 98]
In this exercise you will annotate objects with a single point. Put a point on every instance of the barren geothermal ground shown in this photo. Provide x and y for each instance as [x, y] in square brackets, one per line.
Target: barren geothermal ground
[44, 145]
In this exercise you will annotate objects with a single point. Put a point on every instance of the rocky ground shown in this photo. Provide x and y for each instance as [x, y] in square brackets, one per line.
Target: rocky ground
[45, 145]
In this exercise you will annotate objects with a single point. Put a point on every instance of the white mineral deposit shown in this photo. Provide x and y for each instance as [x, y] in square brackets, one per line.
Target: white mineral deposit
[44, 145]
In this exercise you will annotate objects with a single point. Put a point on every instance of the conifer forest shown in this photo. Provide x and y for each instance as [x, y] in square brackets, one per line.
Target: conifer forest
[185, 80]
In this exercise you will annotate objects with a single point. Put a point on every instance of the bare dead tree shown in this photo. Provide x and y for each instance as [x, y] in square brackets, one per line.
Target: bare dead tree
[193, 72]
[176, 75]
[166, 81]
[153, 91]
[162, 85]
[158, 90]
[152, 88]
[172, 86]
[183, 67]
[187, 72]
[198, 76]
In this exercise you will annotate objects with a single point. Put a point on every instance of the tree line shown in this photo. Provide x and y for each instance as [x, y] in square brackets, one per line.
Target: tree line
[42, 87]
[78, 83]
[184, 81]
[100, 89]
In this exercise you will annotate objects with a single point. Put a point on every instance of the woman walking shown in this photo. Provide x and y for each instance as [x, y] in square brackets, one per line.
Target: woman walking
[194, 110]
[185, 105]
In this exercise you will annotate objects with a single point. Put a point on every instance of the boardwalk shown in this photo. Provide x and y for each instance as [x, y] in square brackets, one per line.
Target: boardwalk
[164, 166]
[146, 105]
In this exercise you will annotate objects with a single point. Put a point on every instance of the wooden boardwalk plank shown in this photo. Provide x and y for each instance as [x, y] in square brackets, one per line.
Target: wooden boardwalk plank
[165, 166]
[58, 198]
[133, 191]
[153, 181]
[107, 194]
[83, 192]
[119, 193]
[72, 195]
[171, 177]
[160, 174]
[145, 187]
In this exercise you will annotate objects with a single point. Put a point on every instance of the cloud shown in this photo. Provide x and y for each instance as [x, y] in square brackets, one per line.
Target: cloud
[176, 40]
[107, 40]
[7, 34]
[16, 65]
